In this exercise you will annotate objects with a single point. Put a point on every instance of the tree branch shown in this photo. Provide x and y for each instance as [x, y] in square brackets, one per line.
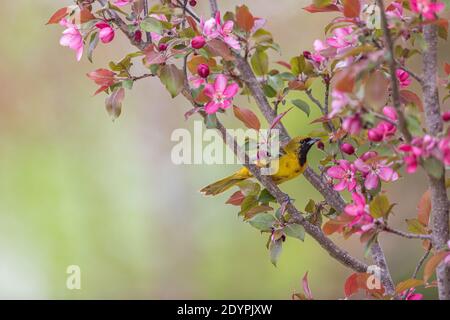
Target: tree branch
[405, 234]
[433, 120]
[420, 263]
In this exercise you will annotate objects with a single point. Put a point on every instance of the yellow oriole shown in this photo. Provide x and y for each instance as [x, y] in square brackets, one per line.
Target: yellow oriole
[291, 164]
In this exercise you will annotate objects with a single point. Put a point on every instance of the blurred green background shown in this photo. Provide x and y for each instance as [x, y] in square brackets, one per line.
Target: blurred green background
[77, 188]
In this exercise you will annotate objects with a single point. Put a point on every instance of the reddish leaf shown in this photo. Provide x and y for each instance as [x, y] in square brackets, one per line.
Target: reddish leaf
[284, 64]
[424, 208]
[236, 198]
[432, 264]
[447, 68]
[410, 97]
[376, 89]
[314, 9]
[247, 117]
[344, 80]
[102, 77]
[85, 15]
[352, 8]
[192, 24]
[114, 102]
[58, 16]
[358, 281]
[278, 118]
[351, 285]
[220, 48]
[297, 85]
[153, 57]
[244, 18]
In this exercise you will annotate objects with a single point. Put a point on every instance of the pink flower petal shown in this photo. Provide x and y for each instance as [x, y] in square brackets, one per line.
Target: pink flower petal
[231, 90]
[212, 107]
[336, 172]
[220, 84]
[371, 181]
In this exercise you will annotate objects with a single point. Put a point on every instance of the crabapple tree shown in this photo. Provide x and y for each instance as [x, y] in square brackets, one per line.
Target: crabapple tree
[374, 127]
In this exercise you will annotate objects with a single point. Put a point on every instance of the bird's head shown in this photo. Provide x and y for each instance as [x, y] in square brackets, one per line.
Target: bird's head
[301, 146]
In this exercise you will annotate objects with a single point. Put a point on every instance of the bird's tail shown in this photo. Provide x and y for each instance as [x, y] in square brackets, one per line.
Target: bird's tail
[224, 184]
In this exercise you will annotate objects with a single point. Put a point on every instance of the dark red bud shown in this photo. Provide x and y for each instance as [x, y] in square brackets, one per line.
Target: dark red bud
[138, 36]
[347, 148]
[192, 3]
[320, 145]
[446, 116]
[307, 54]
[162, 47]
[198, 42]
[374, 135]
[203, 70]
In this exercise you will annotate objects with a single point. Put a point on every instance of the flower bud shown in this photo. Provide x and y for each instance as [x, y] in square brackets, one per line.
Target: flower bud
[446, 116]
[162, 47]
[203, 70]
[198, 42]
[374, 135]
[106, 33]
[320, 145]
[347, 148]
[192, 3]
[138, 36]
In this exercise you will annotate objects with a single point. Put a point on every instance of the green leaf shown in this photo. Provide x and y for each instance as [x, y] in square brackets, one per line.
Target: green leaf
[93, 42]
[380, 206]
[114, 102]
[415, 226]
[414, 125]
[127, 84]
[310, 206]
[434, 167]
[275, 82]
[151, 24]
[249, 202]
[211, 121]
[265, 197]
[302, 105]
[172, 78]
[260, 62]
[295, 231]
[269, 91]
[275, 249]
[298, 65]
[262, 221]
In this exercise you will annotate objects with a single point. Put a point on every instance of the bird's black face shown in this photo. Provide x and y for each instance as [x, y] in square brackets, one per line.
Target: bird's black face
[305, 146]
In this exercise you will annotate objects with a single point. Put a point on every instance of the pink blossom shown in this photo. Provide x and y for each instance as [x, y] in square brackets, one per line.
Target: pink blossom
[344, 172]
[411, 295]
[342, 39]
[444, 147]
[427, 8]
[213, 28]
[403, 78]
[384, 129]
[374, 169]
[395, 10]
[258, 24]
[447, 257]
[220, 94]
[338, 102]
[106, 32]
[360, 211]
[196, 81]
[72, 38]
[121, 3]
[352, 124]
[420, 147]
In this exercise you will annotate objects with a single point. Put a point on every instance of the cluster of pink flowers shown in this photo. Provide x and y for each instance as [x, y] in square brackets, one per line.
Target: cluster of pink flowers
[425, 147]
[213, 28]
[341, 40]
[403, 78]
[359, 210]
[426, 8]
[384, 129]
[370, 166]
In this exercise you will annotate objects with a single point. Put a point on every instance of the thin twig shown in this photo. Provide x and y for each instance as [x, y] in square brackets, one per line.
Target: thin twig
[421, 261]
[405, 234]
